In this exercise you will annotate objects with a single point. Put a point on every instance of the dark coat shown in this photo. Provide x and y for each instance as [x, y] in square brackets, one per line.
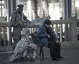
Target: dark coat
[44, 36]
[18, 22]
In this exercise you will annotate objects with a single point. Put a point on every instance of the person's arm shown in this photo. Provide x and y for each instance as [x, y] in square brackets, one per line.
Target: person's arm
[53, 34]
[28, 22]
[25, 18]
[41, 32]
[13, 20]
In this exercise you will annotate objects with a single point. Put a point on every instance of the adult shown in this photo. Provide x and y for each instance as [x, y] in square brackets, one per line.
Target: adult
[48, 38]
[18, 21]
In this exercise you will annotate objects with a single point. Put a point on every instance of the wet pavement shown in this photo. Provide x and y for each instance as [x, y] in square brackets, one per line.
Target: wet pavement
[71, 56]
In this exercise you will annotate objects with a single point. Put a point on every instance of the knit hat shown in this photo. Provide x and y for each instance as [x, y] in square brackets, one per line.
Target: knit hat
[48, 22]
[20, 5]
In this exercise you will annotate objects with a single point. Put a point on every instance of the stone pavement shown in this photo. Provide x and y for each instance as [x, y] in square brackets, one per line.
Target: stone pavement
[71, 56]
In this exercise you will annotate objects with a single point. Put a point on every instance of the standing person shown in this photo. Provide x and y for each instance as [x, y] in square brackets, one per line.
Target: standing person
[18, 21]
[48, 38]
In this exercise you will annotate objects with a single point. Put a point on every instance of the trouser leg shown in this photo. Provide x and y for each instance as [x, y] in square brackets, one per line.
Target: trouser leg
[58, 49]
[52, 50]
[41, 52]
[15, 42]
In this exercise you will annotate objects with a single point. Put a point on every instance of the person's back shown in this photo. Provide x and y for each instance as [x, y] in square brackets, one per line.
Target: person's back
[45, 32]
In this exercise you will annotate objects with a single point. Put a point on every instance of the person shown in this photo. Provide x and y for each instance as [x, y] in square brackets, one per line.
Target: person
[24, 47]
[18, 21]
[48, 38]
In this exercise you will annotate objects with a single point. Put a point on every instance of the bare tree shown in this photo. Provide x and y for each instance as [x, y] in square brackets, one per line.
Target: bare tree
[35, 7]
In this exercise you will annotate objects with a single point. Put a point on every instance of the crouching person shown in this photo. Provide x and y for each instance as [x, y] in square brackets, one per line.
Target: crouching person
[48, 38]
[21, 50]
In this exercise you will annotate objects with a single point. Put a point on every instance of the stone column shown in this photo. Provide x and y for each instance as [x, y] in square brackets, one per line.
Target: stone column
[74, 30]
[67, 15]
[11, 7]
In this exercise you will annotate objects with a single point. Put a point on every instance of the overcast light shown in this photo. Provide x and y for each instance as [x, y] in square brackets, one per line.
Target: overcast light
[77, 4]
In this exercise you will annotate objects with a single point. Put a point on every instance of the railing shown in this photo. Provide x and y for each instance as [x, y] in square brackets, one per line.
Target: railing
[66, 30]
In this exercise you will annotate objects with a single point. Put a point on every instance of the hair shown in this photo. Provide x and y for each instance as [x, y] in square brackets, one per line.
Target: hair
[48, 22]
[20, 5]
